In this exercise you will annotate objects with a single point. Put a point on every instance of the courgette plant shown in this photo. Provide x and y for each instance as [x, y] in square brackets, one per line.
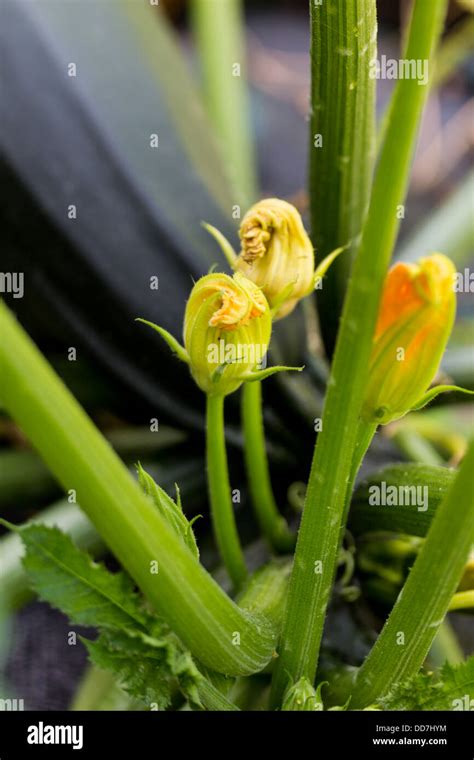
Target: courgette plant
[169, 634]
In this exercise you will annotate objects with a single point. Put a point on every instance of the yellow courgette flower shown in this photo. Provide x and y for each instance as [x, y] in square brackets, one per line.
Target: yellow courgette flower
[277, 254]
[415, 321]
[227, 329]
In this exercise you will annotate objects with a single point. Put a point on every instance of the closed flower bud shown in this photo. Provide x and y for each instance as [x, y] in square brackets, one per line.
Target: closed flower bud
[303, 697]
[414, 324]
[227, 328]
[277, 254]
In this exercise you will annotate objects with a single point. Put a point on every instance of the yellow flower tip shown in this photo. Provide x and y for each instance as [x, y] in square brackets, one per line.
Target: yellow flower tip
[435, 278]
[414, 324]
[276, 251]
[227, 328]
[238, 305]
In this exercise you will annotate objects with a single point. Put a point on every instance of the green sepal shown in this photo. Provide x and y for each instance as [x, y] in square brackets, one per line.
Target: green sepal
[436, 391]
[174, 345]
[262, 374]
[323, 267]
[225, 246]
[340, 708]
[170, 510]
[302, 697]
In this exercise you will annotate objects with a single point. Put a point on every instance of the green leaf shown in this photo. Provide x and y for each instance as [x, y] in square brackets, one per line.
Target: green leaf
[149, 661]
[16, 588]
[69, 580]
[171, 511]
[433, 392]
[148, 668]
[452, 689]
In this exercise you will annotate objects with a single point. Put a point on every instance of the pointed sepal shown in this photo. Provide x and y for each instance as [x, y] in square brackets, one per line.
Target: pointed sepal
[174, 345]
[225, 246]
[324, 265]
[432, 393]
[262, 374]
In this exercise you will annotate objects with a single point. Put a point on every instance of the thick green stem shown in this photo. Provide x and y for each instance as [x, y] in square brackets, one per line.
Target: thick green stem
[274, 526]
[365, 434]
[424, 600]
[342, 139]
[223, 518]
[195, 607]
[213, 700]
[322, 522]
[218, 31]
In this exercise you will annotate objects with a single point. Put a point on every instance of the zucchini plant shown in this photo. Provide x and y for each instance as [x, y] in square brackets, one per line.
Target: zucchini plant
[171, 634]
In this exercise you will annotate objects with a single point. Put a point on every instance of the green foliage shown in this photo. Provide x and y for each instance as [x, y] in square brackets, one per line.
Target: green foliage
[149, 668]
[170, 510]
[451, 689]
[71, 581]
[147, 659]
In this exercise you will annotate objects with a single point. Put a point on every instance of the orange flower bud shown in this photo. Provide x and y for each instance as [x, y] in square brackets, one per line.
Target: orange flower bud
[415, 321]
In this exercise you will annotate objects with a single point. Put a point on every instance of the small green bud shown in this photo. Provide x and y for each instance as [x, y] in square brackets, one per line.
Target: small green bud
[302, 696]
